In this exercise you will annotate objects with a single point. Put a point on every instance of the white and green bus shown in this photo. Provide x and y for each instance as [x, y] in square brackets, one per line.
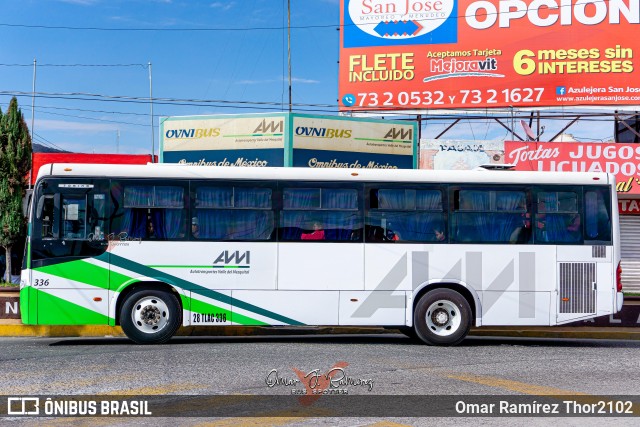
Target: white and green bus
[154, 247]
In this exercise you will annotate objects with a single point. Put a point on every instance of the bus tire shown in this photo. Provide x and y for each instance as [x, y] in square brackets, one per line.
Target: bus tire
[150, 316]
[442, 317]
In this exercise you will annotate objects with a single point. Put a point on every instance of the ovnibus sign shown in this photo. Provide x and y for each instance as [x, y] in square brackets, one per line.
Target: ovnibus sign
[342, 142]
[412, 54]
[623, 160]
[244, 140]
[285, 139]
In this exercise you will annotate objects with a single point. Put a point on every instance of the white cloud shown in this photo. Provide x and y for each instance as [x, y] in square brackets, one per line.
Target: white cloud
[277, 80]
[223, 5]
[81, 2]
[305, 81]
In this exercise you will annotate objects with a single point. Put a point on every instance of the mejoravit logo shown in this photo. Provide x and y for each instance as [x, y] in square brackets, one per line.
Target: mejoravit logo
[401, 20]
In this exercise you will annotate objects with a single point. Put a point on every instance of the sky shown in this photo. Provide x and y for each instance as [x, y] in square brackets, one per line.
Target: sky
[93, 80]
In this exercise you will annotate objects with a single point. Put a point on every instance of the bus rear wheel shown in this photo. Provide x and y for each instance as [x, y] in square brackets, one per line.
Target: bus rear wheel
[150, 316]
[442, 317]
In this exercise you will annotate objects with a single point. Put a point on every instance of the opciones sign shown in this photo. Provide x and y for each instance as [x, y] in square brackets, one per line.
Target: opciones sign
[406, 54]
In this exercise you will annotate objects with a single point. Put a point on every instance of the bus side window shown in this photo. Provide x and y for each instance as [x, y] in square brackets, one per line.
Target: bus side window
[45, 214]
[597, 217]
[96, 216]
[401, 214]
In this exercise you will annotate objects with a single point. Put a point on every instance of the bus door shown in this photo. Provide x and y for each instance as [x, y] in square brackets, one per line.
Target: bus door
[69, 232]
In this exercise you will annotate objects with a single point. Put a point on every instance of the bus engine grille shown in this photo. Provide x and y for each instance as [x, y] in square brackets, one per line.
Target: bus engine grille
[577, 287]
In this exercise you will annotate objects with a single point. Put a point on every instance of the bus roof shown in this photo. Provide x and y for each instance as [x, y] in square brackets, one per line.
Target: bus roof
[165, 170]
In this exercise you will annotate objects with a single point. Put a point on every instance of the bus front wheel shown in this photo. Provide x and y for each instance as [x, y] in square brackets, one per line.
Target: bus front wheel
[150, 316]
[442, 317]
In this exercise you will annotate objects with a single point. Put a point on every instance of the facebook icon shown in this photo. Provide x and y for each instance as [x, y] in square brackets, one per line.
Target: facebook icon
[561, 90]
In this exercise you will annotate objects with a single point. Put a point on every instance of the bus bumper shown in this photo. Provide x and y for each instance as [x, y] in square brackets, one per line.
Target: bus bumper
[27, 300]
[619, 300]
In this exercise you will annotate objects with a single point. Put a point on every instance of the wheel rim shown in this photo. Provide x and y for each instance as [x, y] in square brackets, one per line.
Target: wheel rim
[150, 314]
[443, 318]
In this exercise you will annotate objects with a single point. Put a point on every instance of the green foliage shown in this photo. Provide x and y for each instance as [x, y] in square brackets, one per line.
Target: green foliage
[15, 162]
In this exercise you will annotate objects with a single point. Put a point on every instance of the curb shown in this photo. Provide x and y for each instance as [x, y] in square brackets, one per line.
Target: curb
[579, 332]
[16, 329]
[19, 330]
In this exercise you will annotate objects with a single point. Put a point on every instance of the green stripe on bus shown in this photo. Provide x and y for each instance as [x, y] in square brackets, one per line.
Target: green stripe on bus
[246, 321]
[185, 284]
[179, 266]
[85, 272]
[53, 310]
[79, 271]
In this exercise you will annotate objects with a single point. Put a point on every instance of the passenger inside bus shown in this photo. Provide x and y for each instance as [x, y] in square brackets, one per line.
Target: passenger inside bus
[522, 233]
[316, 233]
[195, 227]
[151, 233]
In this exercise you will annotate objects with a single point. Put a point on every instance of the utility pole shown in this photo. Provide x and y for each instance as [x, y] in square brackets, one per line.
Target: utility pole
[289, 48]
[153, 142]
[33, 112]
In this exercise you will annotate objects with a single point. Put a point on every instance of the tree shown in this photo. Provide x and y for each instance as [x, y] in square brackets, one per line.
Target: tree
[15, 162]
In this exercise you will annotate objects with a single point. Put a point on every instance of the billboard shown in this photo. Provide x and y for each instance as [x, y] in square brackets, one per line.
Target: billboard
[287, 139]
[622, 160]
[319, 141]
[251, 140]
[443, 54]
[444, 154]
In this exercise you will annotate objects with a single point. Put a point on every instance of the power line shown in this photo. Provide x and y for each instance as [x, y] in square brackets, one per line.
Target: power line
[208, 29]
[95, 119]
[49, 107]
[80, 96]
[301, 27]
[76, 65]
[194, 102]
[46, 142]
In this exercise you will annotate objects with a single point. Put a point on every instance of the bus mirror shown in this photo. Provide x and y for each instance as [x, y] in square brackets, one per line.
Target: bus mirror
[26, 203]
[40, 205]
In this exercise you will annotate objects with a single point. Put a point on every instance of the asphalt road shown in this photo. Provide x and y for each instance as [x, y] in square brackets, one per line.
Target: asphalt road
[370, 366]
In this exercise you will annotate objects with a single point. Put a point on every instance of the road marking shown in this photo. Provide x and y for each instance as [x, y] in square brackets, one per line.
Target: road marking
[57, 387]
[517, 386]
[153, 391]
